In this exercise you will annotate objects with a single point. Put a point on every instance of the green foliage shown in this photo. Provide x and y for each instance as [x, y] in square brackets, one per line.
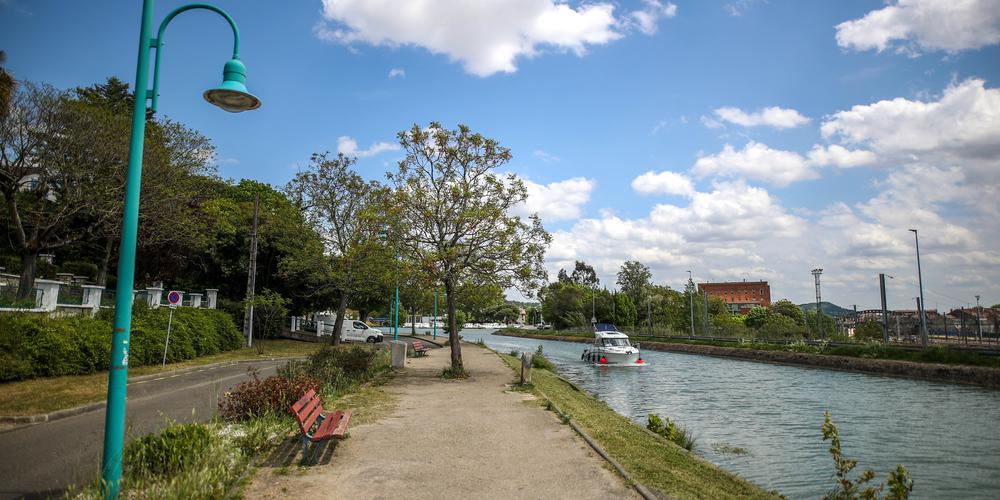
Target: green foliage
[259, 397]
[340, 368]
[171, 452]
[634, 278]
[538, 360]
[756, 317]
[79, 268]
[671, 431]
[899, 483]
[786, 308]
[868, 331]
[38, 346]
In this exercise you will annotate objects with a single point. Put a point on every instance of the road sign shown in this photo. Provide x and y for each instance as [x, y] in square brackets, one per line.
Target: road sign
[174, 298]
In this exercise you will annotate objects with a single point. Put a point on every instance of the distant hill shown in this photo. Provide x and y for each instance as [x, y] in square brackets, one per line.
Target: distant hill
[828, 308]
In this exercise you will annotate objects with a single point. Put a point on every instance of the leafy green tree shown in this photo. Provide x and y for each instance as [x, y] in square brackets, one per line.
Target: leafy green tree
[584, 274]
[786, 308]
[7, 86]
[454, 216]
[624, 310]
[868, 331]
[346, 210]
[756, 317]
[269, 315]
[634, 278]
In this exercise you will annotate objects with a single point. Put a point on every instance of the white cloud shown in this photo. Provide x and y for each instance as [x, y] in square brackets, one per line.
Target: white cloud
[397, 73]
[349, 147]
[486, 37]
[772, 117]
[710, 122]
[648, 18]
[556, 201]
[911, 25]
[738, 7]
[665, 182]
[545, 157]
[756, 161]
[839, 156]
[962, 126]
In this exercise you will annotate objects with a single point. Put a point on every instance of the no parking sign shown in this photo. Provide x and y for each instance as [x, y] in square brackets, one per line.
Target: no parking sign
[174, 298]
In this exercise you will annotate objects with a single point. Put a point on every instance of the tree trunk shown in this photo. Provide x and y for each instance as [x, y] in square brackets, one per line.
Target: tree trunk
[29, 263]
[364, 313]
[413, 321]
[339, 324]
[456, 347]
[102, 273]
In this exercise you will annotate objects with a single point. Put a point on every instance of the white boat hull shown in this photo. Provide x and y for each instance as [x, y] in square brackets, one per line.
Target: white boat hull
[603, 357]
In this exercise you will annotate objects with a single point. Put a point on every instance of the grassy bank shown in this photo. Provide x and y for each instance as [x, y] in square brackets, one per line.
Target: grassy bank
[935, 354]
[651, 460]
[44, 395]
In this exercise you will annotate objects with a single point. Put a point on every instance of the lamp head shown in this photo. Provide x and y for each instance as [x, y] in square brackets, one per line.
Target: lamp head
[232, 95]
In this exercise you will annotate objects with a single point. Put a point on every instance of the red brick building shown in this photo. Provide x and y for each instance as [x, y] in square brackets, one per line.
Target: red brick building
[741, 296]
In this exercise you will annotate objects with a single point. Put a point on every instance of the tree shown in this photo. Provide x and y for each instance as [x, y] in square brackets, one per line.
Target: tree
[7, 86]
[786, 308]
[757, 316]
[52, 166]
[454, 216]
[342, 206]
[634, 278]
[584, 275]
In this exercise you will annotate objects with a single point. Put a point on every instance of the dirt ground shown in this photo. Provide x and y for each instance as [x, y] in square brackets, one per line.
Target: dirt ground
[462, 439]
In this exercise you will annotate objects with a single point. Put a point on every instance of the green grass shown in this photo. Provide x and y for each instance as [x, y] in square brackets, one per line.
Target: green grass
[651, 460]
[43, 395]
[933, 354]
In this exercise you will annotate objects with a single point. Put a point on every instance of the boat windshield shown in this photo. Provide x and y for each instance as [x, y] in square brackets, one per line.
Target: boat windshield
[616, 342]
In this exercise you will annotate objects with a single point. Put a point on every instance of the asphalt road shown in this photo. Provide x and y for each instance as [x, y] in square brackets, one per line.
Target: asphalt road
[42, 460]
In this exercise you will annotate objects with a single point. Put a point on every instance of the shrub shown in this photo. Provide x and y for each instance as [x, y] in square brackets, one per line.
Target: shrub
[171, 452]
[340, 367]
[257, 398]
[79, 268]
[540, 361]
[34, 345]
[671, 431]
[899, 482]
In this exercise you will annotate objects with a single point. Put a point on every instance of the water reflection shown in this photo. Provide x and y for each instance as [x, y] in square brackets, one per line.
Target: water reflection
[945, 434]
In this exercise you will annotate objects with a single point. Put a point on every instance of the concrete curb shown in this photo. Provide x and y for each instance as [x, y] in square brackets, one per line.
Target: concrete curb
[22, 420]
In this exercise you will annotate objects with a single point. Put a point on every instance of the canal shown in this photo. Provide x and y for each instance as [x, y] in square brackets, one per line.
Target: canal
[946, 435]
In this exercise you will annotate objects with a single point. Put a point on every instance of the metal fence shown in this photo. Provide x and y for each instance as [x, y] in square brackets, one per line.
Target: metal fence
[8, 297]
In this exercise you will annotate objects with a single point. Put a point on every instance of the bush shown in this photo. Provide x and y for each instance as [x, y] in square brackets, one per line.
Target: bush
[671, 431]
[34, 345]
[79, 268]
[340, 367]
[170, 453]
[540, 361]
[257, 398]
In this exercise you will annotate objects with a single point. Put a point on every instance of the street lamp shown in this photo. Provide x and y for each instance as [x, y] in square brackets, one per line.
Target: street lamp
[920, 281]
[691, 301]
[819, 310]
[231, 96]
[979, 320]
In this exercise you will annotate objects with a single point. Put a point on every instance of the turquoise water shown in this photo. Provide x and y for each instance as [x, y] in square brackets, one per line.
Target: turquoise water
[946, 435]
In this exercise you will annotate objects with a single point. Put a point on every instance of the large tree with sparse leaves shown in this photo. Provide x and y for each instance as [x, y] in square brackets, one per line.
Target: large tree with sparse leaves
[454, 216]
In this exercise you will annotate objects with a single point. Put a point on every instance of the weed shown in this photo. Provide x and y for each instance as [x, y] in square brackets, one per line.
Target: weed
[728, 449]
[671, 431]
[899, 482]
[540, 361]
[454, 372]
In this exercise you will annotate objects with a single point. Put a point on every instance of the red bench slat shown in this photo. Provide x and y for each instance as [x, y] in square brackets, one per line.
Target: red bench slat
[303, 400]
[419, 346]
[307, 417]
[341, 428]
[325, 430]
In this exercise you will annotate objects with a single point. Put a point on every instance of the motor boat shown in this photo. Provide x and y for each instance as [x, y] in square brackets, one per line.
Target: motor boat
[612, 347]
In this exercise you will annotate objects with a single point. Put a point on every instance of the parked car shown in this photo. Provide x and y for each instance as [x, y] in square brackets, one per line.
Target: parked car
[352, 331]
[542, 326]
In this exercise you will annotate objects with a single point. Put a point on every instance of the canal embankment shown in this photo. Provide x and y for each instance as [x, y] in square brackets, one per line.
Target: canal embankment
[948, 373]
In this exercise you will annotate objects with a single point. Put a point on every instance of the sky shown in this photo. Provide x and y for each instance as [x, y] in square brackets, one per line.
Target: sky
[737, 139]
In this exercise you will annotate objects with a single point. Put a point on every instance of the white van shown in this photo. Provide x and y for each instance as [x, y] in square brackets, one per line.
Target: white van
[353, 330]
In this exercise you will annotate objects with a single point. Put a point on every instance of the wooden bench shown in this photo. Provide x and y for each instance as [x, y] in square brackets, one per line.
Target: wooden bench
[419, 348]
[316, 426]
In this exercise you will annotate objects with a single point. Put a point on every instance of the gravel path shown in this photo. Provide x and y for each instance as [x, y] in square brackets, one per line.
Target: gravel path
[455, 439]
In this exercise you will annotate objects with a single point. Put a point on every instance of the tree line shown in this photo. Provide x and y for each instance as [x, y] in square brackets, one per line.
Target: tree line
[328, 239]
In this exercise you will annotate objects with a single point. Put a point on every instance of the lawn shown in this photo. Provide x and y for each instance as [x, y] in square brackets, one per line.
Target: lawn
[43, 395]
[651, 460]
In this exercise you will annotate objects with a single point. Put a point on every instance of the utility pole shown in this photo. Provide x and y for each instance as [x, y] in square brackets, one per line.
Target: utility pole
[979, 320]
[649, 313]
[691, 302]
[855, 319]
[593, 306]
[252, 278]
[819, 311]
[920, 307]
[885, 315]
[920, 280]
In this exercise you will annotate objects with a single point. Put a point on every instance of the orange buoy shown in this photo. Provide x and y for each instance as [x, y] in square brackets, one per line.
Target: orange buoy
[604, 360]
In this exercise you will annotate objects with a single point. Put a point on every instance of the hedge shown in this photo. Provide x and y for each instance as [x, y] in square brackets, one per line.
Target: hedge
[34, 345]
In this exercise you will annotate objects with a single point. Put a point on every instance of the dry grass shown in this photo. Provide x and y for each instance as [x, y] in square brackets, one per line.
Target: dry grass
[43, 395]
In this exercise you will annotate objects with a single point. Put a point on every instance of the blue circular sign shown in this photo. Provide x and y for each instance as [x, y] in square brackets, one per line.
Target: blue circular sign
[174, 297]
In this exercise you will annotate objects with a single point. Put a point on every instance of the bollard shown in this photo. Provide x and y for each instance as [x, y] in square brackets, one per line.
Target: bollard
[525, 368]
[398, 353]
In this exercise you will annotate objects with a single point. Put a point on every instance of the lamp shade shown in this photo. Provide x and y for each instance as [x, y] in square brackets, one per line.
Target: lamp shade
[232, 95]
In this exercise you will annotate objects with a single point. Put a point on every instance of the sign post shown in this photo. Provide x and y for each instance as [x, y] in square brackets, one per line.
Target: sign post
[173, 298]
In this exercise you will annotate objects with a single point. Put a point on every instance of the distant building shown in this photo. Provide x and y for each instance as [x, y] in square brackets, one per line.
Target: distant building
[740, 296]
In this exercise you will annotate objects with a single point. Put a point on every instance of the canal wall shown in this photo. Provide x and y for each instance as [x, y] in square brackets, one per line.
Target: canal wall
[954, 374]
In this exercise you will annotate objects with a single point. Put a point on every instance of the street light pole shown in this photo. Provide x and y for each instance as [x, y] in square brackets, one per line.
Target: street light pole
[979, 320]
[231, 96]
[435, 313]
[920, 280]
[819, 310]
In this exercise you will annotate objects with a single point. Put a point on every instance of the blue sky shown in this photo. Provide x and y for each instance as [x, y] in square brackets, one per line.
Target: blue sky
[740, 111]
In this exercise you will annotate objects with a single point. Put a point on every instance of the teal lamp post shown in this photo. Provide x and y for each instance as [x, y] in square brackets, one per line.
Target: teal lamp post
[231, 96]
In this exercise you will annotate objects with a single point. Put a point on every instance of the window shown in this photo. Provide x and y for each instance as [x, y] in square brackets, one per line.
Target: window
[360, 326]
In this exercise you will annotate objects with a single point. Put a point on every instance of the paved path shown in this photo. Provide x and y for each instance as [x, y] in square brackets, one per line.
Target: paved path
[454, 439]
[40, 460]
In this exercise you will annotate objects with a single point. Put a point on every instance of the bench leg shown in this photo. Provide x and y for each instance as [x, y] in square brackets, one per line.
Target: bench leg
[305, 451]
